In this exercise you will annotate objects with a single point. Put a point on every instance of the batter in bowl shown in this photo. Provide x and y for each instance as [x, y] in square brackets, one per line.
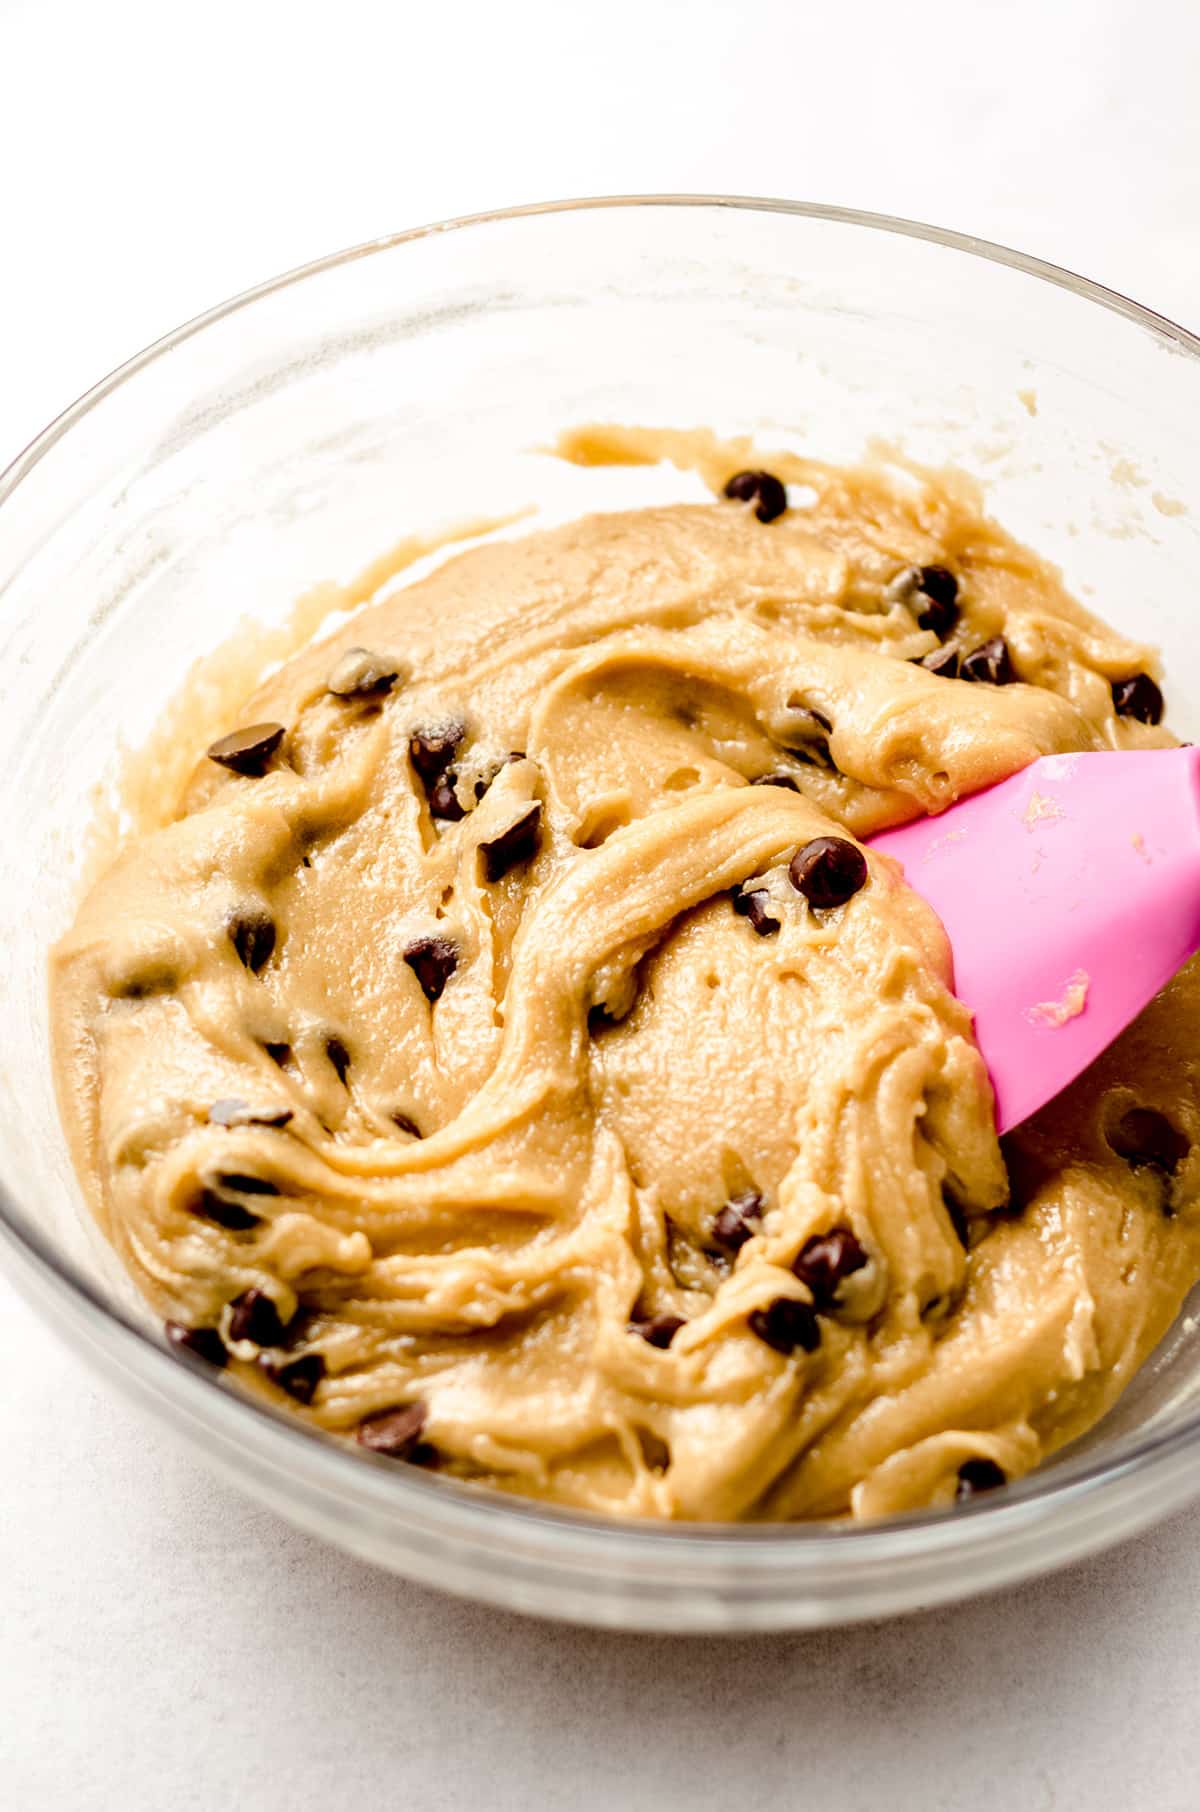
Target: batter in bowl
[509, 1057]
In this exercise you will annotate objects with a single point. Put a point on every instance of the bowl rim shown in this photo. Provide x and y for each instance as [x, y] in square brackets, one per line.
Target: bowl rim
[462, 1510]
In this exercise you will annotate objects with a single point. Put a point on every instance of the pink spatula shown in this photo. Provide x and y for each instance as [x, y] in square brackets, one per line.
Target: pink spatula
[1070, 894]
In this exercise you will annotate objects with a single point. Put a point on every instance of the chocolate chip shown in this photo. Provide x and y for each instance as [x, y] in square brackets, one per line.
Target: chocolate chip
[658, 1330]
[247, 751]
[991, 663]
[1144, 1136]
[395, 1433]
[737, 1221]
[807, 734]
[278, 1053]
[941, 618]
[210, 1206]
[256, 1318]
[828, 871]
[338, 1056]
[361, 674]
[252, 935]
[786, 780]
[975, 1476]
[433, 961]
[232, 1112]
[299, 1377]
[444, 802]
[939, 591]
[201, 1343]
[1139, 698]
[407, 1125]
[432, 751]
[813, 754]
[826, 1260]
[804, 720]
[938, 583]
[786, 1324]
[755, 906]
[761, 488]
[943, 663]
[517, 844]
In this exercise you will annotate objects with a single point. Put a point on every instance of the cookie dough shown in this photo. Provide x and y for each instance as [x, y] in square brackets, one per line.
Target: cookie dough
[507, 1058]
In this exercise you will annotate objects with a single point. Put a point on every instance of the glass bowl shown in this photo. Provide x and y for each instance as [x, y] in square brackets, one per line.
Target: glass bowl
[294, 433]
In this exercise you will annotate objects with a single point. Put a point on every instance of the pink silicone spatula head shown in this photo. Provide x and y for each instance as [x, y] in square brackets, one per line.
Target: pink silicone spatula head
[1070, 894]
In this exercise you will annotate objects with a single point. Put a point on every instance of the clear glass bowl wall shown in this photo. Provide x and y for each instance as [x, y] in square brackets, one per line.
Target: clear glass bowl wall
[295, 433]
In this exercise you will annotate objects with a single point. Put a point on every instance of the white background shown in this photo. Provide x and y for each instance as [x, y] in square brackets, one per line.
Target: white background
[162, 1644]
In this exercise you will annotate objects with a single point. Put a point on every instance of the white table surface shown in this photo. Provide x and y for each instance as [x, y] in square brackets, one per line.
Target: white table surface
[164, 1644]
